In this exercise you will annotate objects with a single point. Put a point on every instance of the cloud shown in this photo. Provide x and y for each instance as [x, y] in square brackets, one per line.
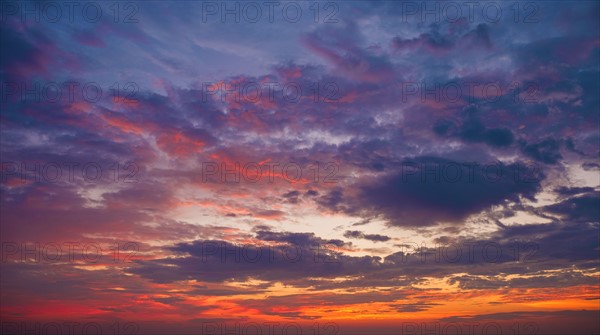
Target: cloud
[584, 208]
[545, 151]
[370, 237]
[340, 46]
[473, 130]
[437, 43]
[418, 193]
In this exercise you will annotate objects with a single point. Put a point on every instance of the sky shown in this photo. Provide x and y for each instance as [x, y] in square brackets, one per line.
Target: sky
[300, 167]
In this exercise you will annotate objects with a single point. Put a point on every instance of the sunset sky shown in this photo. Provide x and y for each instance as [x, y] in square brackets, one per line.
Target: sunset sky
[287, 167]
